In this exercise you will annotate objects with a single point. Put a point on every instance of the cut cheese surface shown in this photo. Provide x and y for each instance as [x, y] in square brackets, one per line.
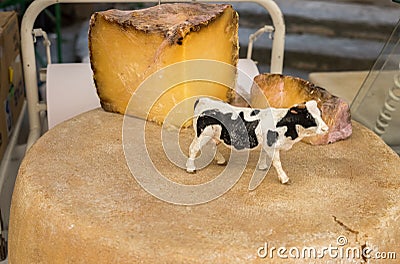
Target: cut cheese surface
[126, 47]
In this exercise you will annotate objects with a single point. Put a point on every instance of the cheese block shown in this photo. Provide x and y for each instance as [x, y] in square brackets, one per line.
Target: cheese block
[126, 47]
[77, 202]
[285, 91]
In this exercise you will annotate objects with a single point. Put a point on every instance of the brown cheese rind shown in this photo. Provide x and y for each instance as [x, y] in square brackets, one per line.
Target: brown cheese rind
[173, 21]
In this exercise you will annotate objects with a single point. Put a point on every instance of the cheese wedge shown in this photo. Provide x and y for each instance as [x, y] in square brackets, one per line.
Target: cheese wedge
[126, 47]
[277, 90]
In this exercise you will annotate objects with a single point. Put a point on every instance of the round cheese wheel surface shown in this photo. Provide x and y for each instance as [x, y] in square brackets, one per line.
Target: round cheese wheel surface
[76, 201]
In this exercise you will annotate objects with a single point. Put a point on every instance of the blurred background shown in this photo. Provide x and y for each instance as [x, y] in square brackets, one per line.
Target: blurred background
[334, 35]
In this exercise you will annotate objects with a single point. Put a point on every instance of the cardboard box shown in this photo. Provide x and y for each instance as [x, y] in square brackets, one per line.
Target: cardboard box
[12, 91]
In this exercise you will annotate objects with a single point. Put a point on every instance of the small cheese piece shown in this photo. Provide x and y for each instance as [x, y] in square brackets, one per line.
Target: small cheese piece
[126, 47]
[286, 91]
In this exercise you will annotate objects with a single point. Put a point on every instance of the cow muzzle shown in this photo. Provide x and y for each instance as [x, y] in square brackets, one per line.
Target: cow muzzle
[322, 128]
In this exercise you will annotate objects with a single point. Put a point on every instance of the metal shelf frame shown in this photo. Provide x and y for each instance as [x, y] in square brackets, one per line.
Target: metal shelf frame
[29, 61]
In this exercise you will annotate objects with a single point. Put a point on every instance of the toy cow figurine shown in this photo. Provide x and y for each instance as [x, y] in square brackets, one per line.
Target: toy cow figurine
[246, 128]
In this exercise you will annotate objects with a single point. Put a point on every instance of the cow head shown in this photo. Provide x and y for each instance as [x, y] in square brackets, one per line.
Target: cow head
[303, 120]
[321, 127]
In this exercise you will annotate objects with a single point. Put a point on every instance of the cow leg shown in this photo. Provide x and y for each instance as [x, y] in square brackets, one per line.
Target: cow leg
[195, 147]
[262, 164]
[218, 156]
[276, 162]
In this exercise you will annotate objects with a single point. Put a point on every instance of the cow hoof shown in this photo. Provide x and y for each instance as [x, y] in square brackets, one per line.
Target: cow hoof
[191, 171]
[221, 162]
[286, 181]
[262, 167]
[219, 159]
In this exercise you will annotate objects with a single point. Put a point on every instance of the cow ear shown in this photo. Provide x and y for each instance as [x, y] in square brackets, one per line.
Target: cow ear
[302, 106]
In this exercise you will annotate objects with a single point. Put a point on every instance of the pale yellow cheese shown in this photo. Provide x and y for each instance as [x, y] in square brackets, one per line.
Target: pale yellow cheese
[126, 47]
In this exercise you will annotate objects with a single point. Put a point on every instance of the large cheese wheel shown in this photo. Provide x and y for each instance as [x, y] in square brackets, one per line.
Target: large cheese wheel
[75, 201]
[126, 47]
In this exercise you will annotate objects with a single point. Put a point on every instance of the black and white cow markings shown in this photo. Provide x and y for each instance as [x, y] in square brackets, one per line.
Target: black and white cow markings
[254, 112]
[236, 132]
[296, 116]
[272, 137]
[246, 128]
